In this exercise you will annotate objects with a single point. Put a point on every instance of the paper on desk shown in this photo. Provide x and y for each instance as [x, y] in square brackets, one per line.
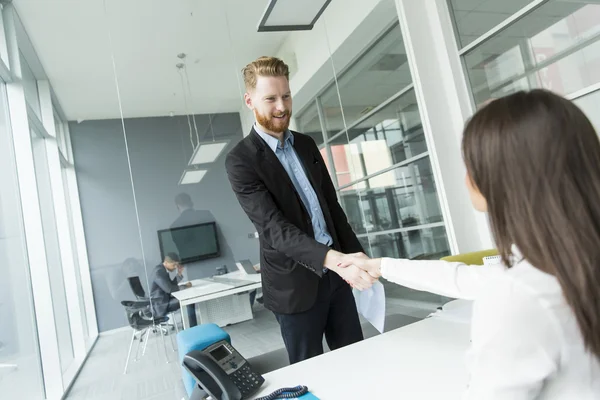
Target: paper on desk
[371, 305]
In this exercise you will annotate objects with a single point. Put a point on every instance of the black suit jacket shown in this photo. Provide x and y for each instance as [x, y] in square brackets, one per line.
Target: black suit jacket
[291, 260]
[161, 289]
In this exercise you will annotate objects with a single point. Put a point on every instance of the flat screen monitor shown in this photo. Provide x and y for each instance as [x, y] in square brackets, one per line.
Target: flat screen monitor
[191, 243]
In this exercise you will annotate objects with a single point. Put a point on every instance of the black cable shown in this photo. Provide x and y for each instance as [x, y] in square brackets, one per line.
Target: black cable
[286, 393]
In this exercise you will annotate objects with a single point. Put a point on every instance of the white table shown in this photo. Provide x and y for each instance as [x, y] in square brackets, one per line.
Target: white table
[423, 361]
[219, 286]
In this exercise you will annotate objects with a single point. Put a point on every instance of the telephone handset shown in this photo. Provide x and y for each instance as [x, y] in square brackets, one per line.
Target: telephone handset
[222, 372]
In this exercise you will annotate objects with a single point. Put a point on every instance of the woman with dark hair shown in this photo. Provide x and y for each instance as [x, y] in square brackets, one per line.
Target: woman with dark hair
[533, 164]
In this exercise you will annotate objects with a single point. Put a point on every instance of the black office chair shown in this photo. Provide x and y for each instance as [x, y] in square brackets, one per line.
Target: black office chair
[139, 316]
[138, 290]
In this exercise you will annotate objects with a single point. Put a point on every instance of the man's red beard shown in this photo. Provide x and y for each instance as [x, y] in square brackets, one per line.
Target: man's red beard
[273, 124]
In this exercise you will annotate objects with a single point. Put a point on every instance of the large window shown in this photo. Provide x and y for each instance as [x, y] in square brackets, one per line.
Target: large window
[53, 256]
[376, 149]
[552, 44]
[474, 18]
[20, 369]
[373, 79]
[46, 305]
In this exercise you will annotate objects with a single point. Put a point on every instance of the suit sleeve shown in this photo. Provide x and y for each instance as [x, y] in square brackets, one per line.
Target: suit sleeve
[273, 227]
[167, 285]
[349, 243]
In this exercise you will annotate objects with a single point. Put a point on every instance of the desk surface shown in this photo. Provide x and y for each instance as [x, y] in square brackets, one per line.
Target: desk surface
[424, 360]
[218, 285]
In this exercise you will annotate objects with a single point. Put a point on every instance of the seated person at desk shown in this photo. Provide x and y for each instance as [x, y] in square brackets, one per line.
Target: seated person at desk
[533, 165]
[162, 287]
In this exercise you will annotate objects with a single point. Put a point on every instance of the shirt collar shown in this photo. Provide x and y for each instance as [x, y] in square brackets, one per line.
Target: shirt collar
[272, 142]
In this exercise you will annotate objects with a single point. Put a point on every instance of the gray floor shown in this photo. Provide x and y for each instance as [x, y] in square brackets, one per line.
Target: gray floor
[258, 340]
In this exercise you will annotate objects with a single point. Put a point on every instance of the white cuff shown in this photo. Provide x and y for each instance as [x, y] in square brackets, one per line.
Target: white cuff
[386, 266]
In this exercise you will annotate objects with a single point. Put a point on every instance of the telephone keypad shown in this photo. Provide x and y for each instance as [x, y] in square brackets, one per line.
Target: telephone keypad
[246, 380]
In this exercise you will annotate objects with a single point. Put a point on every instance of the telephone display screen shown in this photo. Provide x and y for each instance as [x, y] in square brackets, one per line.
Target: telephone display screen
[219, 353]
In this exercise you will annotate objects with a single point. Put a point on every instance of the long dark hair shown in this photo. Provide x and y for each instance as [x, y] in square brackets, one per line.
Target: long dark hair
[535, 158]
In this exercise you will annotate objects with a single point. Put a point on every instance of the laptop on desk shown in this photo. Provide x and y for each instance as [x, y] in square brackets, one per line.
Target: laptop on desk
[246, 267]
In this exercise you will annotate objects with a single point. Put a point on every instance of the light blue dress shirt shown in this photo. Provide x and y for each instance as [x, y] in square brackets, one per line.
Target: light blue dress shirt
[293, 166]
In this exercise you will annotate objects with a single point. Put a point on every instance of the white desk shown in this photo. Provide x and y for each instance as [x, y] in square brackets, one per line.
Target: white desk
[214, 288]
[423, 361]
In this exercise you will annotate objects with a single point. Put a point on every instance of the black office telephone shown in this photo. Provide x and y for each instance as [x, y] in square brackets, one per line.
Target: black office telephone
[222, 372]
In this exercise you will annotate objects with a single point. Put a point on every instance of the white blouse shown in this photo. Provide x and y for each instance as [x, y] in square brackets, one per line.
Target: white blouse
[526, 343]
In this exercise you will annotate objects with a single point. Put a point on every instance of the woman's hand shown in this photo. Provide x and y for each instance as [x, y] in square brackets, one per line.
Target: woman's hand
[362, 261]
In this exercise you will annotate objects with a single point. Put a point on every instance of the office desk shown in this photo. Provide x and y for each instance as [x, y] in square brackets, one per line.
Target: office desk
[423, 361]
[217, 287]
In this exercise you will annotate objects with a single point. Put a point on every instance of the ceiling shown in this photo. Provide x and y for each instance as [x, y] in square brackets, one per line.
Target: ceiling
[71, 39]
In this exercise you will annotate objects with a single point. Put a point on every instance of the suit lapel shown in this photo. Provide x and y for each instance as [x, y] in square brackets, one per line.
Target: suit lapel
[266, 156]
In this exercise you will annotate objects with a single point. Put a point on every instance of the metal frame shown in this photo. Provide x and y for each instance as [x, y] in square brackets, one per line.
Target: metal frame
[400, 230]
[329, 140]
[388, 169]
[284, 28]
[374, 111]
[583, 92]
[344, 69]
[522, 13]
[321, 116]
[503, 25]
[549, 61]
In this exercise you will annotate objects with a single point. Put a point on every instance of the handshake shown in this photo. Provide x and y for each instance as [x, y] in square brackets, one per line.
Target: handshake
[357, 269]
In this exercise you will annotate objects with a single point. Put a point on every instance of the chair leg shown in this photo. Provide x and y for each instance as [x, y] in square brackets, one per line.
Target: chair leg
[129, 352]
[172, 342]
[146, 342]
[162, 336]
[175, 322]
[139, 344]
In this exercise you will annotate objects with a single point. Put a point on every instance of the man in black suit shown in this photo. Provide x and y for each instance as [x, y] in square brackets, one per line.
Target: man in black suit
[282, 184]
[163, 286]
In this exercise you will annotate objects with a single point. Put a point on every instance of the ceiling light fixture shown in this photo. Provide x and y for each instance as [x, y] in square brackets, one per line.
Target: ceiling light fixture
[192, 176]
[291, 15]
[207, 152]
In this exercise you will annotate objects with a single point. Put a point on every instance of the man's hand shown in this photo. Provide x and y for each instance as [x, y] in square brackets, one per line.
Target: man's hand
[370, 265]
[355, 277]
[188, 285]
[333, 259]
